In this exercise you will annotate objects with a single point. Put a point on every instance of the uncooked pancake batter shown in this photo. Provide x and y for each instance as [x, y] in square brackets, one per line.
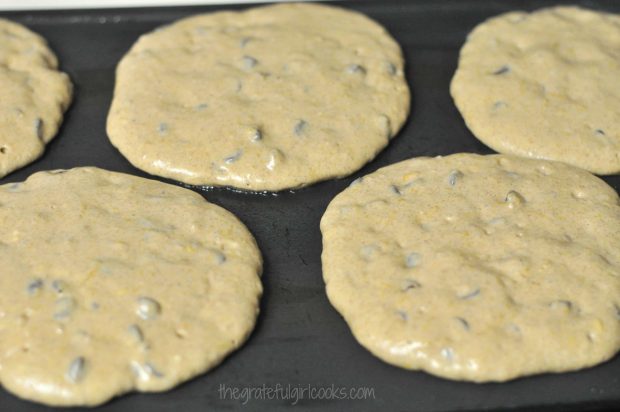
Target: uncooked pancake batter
[545, 85]
[111, 283]
[33, 96]
[479, 268]
[270, 98]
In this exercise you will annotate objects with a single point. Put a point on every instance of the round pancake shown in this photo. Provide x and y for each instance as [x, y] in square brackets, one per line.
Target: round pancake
[269, 98]
[33, 96]
[545, 85]
[478, 268]
[112, 283]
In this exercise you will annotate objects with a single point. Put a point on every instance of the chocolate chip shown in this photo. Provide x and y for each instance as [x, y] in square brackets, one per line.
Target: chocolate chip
[502, 70]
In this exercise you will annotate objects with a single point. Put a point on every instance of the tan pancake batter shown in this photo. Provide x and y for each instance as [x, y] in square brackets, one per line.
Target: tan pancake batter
[479, 268]
[270, 98]
[545, 85]
[33, 96]
[111, 283]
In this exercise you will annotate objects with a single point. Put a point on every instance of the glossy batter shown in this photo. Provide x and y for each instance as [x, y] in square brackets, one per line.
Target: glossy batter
[111, 283]
[33, 96]
[270, 98]
[545, 85]
[478, 268]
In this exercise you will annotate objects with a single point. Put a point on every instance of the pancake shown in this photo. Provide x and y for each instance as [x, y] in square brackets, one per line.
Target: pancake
[265, 99]
[477, 268]
[112, 283]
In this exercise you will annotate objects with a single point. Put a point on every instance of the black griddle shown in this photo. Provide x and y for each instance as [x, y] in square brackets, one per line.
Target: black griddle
[300, 339]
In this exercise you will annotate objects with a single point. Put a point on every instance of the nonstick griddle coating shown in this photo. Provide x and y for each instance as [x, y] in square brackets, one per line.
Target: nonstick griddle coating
[300, 339]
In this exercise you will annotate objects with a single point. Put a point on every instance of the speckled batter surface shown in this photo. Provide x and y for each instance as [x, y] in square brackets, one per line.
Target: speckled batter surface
[270, 98]
[545, 85]
[111, 283]
[479, 268]
[33, 96]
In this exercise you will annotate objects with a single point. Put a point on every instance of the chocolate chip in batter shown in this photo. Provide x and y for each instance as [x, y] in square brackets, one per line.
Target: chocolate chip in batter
[276, 156]
[413, 259]
[391, 68]
[38, 128]
[135, 332]
[470, 295]
[145, 371]
[76, 370]
[454, 176]
[356, 69]
[234, 157]
[220, 257]
[463, 323]
[244, 41]
[148, 308]
[34, 286]
[502, 70]
[514, 199]
[300, 127]
[152, 370]
[448, 353]
[64, 308]
[565, 305]
[256, 135]
[249, 62]
[59, 286]
[386, 124]
[409, 284]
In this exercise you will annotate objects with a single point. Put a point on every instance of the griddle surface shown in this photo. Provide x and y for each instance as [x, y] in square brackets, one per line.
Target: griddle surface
[300, 339]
